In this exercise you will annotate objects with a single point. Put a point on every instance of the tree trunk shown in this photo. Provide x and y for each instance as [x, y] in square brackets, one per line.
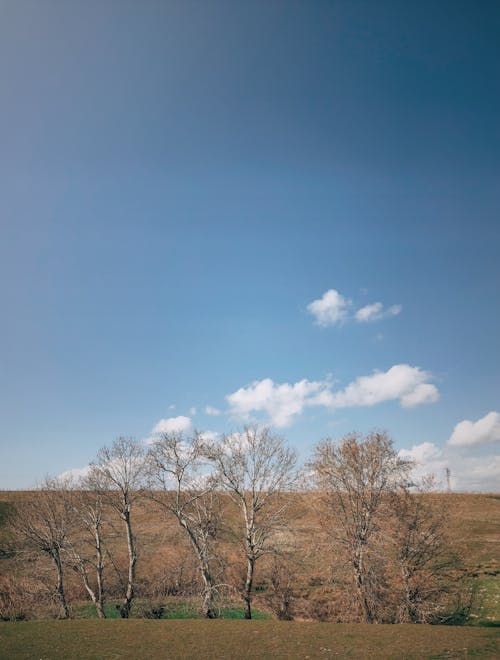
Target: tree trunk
[99, 576]
[248, 587]
[359, 574]
[60, 586]
[409, 610]
[209, 611]
[132, 559]
[96, 596]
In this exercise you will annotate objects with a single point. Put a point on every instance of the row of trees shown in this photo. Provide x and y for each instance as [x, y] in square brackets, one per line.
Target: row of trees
[385, 546]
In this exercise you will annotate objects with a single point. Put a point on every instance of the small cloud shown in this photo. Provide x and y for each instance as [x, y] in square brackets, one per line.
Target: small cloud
[369, 312]
[179, 424]
[75, 474]
[192, 411]
[469, 434]
[209, 436]
[330, 309]
[171, 406]
[213, 412]
[333, 308]
[376, 312]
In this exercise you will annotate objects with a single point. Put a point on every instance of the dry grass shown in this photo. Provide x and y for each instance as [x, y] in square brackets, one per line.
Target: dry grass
[240, 639]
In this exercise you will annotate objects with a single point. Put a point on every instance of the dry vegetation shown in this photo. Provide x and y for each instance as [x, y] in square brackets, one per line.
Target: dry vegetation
[236, 541]
[167, 570]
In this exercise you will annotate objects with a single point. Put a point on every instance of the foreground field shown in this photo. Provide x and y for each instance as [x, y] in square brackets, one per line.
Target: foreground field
[240, 639]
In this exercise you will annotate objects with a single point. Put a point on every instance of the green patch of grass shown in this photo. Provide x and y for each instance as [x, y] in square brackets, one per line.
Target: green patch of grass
[172, 610]
[238, 613]
[88, 611]
[487, 611]
[5, 509]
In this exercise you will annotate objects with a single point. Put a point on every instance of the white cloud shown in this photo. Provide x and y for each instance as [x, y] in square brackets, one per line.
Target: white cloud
[485, 431]
[179, 424]
[376, 312]
[330, 309]
[423, 393]
[208, 436]
[283, 402]
[192, 411]
[213, 412]
[75, 474]
[479, 473]
[402, 382]
[429, 459]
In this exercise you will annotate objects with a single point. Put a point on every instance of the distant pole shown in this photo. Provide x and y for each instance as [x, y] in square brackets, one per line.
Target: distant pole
[448, 484]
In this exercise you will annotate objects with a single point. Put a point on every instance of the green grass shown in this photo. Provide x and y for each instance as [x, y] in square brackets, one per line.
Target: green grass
[5, 508]
[487, 612]
[174, 609]
[212, 640]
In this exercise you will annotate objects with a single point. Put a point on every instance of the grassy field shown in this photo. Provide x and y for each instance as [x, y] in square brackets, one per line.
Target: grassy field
[240, 639]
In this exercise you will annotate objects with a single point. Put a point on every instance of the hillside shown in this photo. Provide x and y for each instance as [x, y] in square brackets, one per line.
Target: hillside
[165, 565]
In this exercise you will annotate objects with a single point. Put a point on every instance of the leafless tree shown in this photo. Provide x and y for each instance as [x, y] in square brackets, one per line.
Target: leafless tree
[284, 576]
[355, 477]
[86, 545]
[427, 567]
[187, 492]
[121, 471]
[42, 524]
[257, 470]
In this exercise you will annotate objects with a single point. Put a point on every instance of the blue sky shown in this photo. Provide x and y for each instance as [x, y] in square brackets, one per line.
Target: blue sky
[179, 181]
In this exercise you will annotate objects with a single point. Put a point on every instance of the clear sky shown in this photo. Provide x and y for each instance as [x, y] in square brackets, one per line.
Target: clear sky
[201, 203]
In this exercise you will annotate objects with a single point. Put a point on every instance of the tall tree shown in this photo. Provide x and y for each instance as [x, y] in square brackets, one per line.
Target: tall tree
[427, 568]
[257, 470]
[42, 524]
[188, 493]
[86, 545]
[355, 477]
[122, 471]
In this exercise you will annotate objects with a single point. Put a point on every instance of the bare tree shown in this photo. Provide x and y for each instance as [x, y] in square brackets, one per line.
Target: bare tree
[426, 565]
[86, 544]
[42, 525]
[256, 469]
[355, 476]
[121, 471]
[177, 467]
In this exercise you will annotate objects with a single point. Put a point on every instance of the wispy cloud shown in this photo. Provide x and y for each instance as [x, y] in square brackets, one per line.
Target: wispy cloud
[213, 412]
[376, 312]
